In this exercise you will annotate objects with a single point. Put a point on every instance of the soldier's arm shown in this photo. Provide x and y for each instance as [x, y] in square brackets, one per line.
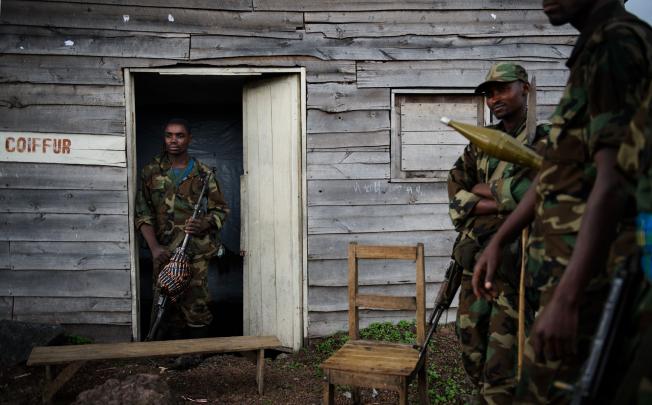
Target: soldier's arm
[217, 208]
[463, 202]
[556, 328]
[486, 266]
[145, 221]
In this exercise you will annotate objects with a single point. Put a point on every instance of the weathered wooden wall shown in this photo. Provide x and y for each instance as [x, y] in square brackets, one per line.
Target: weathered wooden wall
[64, 253]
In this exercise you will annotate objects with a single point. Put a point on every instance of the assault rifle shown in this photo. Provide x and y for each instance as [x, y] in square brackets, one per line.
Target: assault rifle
[619, 300]
[447, 292]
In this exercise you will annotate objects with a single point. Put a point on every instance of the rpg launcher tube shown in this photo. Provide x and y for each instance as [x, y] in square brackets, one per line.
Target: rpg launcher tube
[497, 143]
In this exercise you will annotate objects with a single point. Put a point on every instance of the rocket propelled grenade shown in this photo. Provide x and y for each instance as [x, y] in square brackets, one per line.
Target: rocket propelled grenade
[497, 144]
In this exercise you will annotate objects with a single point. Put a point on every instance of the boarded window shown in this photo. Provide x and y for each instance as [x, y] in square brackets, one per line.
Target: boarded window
[424, 149]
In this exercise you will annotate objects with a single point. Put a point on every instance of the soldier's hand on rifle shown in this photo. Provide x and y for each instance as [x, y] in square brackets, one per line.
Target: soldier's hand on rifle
[197, 226]
[555, 330]
[160, 255]
[484, 270]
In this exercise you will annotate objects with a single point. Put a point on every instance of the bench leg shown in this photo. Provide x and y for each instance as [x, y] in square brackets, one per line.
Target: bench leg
[260, 371]
[403, 394]
[329, 394]
[64, 376]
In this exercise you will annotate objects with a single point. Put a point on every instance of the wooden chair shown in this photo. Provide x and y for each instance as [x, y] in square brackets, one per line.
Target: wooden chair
[364, 363]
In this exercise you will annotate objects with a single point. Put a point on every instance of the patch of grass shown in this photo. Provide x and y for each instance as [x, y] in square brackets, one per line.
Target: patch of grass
[331, 344]
[402, 332]
[77, 340]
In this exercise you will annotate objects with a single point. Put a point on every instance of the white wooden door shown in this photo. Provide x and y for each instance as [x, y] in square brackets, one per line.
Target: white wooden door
[271, 209]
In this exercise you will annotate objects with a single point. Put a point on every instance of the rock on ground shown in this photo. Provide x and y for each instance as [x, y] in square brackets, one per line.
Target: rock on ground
[17, 339]
[139, 389]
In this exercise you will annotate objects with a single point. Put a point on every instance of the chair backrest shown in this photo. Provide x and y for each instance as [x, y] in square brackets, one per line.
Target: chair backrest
[413, 303]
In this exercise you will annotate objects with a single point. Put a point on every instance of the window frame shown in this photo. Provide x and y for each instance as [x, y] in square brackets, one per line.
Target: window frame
[397, 175]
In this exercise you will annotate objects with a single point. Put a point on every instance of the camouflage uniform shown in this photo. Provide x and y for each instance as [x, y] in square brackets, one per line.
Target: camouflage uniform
[166, 207]
[634, 159]
[487, 329]
[609, 74]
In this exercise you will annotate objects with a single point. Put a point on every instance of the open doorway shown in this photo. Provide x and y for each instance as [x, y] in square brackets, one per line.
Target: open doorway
[213, 107]
[250, 124]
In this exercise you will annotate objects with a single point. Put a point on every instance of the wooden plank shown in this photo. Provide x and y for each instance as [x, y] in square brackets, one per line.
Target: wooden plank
[71, 119]
[392, 218]
[437, 22]
[64, 376]
[386, 302]
[242, 5]
[333, 273]
[338, 97]
[317, 71]
[95, 70]
[333, 246]
[406, 48]
[57, 69]
[64, 227]
[65, 354]
[352, 171]
[423, 114]
[434, 137]
[101, 333]
[73, 310]
[53, 177]
[63, 201]
[385, 252]
[22, 95]
[43, 41]
[352, 121]
[430, 157]
[347, 157]
[6, 307]
[348, 140]
[332, 299]
[328, 323]
[80, 149]
[151, 19]
[374, 192]
[435, 74]
[44, 283]
[66, 256]
[377, 5]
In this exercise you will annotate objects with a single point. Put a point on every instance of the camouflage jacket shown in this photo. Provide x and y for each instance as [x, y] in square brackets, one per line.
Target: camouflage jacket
[635, 154]
[476, 166]
[609, 75]
[166, 207]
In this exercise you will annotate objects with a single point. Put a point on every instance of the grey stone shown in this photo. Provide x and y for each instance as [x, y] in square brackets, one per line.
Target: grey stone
[139, 389]
[18, 338]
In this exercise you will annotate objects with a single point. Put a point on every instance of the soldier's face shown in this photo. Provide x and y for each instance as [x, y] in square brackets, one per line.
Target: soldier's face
[560, 12]
[505, 99]
[176, 139]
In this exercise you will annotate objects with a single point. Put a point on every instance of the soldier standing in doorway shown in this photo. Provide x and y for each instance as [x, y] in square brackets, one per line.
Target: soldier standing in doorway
[170, 187]
[576, 202]
[482, 190]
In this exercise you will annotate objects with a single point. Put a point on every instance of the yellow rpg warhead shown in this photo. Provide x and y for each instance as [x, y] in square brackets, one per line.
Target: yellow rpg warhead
[497, 144]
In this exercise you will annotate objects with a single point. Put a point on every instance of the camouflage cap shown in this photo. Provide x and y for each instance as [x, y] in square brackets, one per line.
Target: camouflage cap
[503, 72]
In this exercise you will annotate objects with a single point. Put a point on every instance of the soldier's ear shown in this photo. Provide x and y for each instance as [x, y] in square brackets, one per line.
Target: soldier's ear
[526, 88]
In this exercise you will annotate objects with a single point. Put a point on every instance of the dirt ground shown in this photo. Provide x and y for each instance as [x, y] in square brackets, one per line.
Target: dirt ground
[230, 379]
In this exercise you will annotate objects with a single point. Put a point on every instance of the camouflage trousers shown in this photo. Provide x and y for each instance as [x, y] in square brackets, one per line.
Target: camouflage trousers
[487, 333]
[191, 309]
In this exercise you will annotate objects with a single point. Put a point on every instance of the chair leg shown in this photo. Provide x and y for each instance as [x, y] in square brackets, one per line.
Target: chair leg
[355, 396]
[403, 394]
[329, 394]
[423, 386]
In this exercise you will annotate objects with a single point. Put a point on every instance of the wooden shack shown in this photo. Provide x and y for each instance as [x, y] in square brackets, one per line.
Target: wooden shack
[333, 106]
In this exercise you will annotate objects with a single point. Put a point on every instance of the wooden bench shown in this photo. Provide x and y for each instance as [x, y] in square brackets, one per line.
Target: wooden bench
[77, 355]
